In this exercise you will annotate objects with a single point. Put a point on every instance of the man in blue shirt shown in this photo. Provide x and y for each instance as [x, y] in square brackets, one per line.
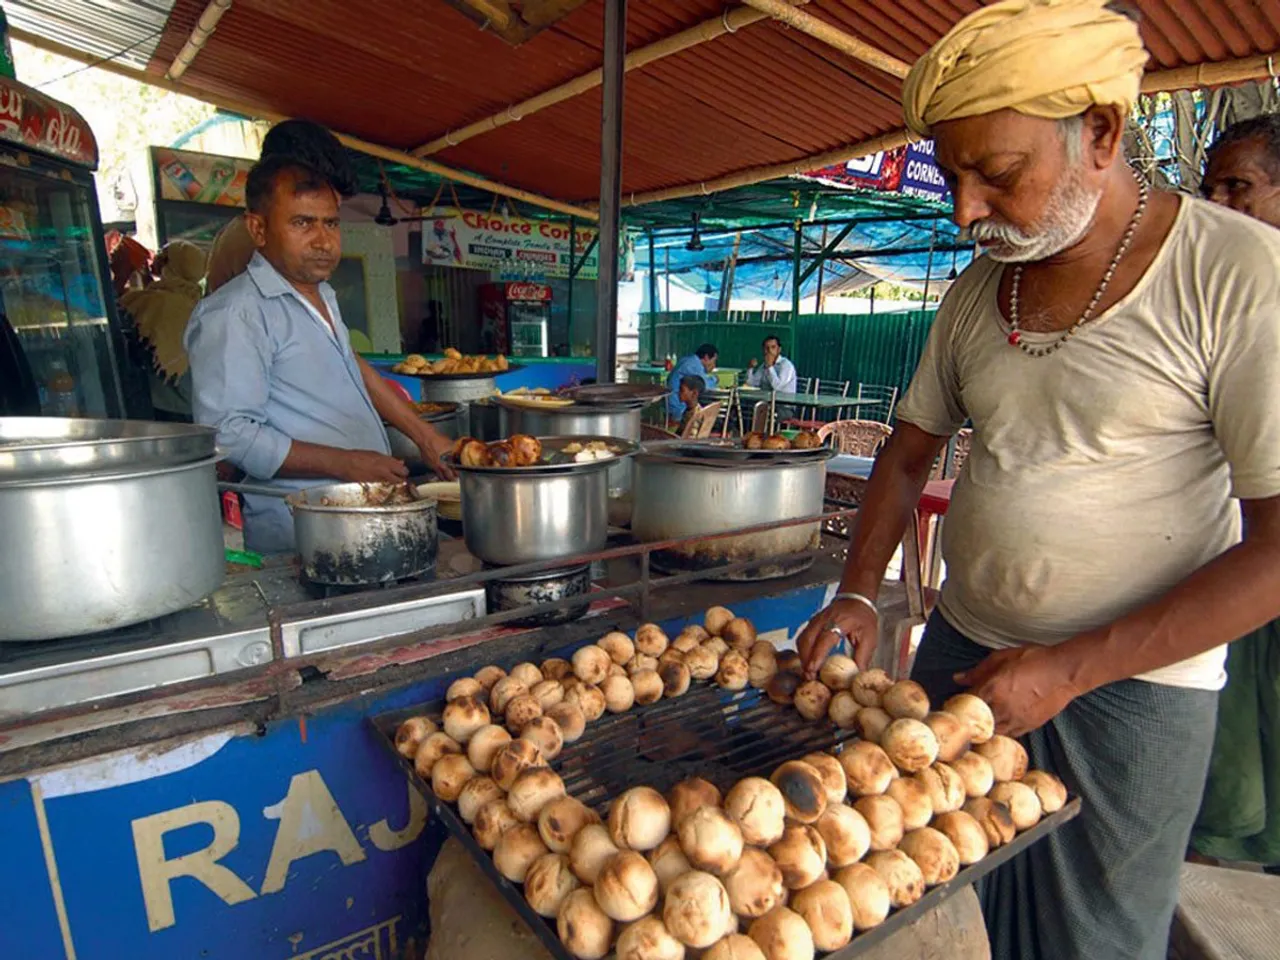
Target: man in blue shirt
[700, 363]
[272, 365]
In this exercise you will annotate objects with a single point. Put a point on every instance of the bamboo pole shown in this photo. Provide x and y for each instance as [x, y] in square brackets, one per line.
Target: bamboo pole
[1208, 75]
[729, 22]
[200, 35]
[833, 36]
[355, 143]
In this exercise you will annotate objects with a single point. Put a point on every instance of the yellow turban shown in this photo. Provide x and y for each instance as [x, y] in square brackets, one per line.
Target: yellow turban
[1045, 58]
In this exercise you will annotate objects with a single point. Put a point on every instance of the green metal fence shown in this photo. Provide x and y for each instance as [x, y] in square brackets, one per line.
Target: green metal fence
[881, 349]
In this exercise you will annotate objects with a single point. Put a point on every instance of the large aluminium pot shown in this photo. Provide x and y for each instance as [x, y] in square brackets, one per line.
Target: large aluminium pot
[402, 448]
[459, 390]
[349, 534]
[582, 420]
[679, 497]
[106, 524]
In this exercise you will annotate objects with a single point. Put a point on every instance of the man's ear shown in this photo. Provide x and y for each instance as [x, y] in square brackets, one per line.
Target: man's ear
[1104, 134]
[256, 224]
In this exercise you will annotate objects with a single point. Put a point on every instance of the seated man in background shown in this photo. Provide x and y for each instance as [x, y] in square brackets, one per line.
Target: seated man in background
[687, 393]
[698, 364]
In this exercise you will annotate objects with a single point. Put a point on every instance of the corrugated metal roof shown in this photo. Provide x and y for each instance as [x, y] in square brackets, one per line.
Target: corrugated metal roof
[102, 28]
[404, 74]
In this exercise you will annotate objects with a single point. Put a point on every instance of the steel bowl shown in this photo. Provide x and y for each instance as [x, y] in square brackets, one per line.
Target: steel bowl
[90, 553]
[345, 537]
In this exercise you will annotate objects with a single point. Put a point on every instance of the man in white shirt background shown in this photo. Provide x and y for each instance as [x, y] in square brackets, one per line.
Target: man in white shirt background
[777, 373]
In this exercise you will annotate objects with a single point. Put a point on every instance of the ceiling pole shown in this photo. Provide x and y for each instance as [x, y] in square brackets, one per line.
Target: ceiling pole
[615, 48]
[832, 36]
[200, 35]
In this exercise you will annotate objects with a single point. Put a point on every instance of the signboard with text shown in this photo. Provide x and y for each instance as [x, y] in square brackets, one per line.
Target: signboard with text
[510, 245]
[31, 119]
[200, 177]
[909, 170]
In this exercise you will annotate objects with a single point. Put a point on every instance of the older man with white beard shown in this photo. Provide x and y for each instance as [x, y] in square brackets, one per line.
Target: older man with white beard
[1118, 353]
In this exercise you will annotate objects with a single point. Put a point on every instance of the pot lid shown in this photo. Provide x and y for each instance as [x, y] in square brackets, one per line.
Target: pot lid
[51, 447]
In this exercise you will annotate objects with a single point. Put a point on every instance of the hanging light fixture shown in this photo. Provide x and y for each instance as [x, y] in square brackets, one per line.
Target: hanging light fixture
[952, 274]
[695, 242]
[384, 217]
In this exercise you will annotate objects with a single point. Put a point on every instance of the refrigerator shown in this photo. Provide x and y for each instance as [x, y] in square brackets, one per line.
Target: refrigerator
[515, 319]
[61, 348]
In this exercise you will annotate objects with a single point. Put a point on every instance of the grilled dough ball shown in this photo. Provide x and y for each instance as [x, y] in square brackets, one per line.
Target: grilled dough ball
[477, 792]
[711, 840]
[812, 700]
[867, 768]
[975, 712]
[762, 664]
[647, 685]
[546, 733]
[952, 734]
[561, 819]
[868, 895]
[526, 450]
[503, 692]
[533, 790]
[696, 910]
[641, 661]
[619, 694]
[472, 453]
[690, 638]
[668, 862]
[1051, 791]
[568, 717]
[626, 888]
[556, 668]
[913, 797]
[976, 773]
[803, 790]
[754, 884]
[933, 853]
[618, 646]
[450, 774]
[782, 687]
[1008, 757]
[527, 673]
[521, 712]
[488, 676]
[739, 633]
[846, 834]
[651, 641]
[435, 746]
[516, 851]
[688, 795]
[825, 907]
[776, 441]
[514, 759]
[715, 620]
[884, 818]
[590, 849]
[675, 678]
[493, 820]
[758, 808]
[484, 745]
[411, 733]
[843, 710]
[463, 687]
[910, 744]
[734, 672]
[901, 875]
[584, 929]
[753, 441]
[945, 786]
[834, 781]
[548, 882]
[1023, 804]
[906, 698]
[702, 663]
[548, 693]
[965, 834]
[639, 819]
[838, 671]
[868, 687]
[591, 664]
[995, 820]
[648, 939]
[801, 854]
[736, 946]
[872, 722]
[782, 934]
[588, 698]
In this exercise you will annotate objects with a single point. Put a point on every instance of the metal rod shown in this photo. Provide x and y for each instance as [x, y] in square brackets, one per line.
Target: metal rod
[200, 35]
[653, 300]
[817, 297]
[796, 279]
[573, 272]
[827, 250]
[611, 104]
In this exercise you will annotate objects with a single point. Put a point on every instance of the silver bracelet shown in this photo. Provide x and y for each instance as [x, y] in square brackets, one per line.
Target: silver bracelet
[866, 601]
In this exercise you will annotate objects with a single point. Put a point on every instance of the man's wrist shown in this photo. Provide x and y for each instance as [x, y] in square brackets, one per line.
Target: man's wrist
[861, 583]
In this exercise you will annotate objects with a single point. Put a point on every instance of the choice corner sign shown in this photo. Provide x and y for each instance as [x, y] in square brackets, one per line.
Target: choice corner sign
[512, 246]
[909, 170]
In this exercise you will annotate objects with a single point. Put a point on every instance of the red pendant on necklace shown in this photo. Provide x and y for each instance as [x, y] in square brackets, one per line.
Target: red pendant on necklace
[1015, 338]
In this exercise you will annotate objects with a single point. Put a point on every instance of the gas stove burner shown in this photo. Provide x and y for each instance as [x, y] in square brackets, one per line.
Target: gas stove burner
[328, 591]
[509, 593]
[773, 568]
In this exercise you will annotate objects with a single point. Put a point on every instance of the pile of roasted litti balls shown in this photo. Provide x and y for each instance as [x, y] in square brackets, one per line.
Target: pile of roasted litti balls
[778, 868]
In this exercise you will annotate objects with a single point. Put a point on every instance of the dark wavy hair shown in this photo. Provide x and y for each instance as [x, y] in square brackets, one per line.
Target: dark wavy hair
[314, 148]
[1265, 130]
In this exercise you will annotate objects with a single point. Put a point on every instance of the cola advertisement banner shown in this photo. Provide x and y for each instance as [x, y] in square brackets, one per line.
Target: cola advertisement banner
[30, 119]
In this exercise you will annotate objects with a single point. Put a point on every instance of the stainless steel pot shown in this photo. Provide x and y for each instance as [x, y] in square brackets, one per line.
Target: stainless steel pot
[97, 551]
[32, 447]
[676, 497]
[541, 588]
[405, 449]
[459, 390]
[345, 539]
[516, 517]
[488, 420]
[581, 420]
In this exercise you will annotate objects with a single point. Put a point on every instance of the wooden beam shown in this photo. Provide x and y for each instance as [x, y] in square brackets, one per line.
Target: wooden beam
[266, 113]
[200, 35]
[832, 36]
[729, 22]
[1208, 75]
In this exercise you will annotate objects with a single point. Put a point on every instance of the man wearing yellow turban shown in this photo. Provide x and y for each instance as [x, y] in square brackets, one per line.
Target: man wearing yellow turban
[1117, 353]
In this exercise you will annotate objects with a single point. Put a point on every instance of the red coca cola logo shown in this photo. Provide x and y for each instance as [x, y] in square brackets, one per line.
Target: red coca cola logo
[34, 120]
[10, 110]
[62, 134]
[528, 291]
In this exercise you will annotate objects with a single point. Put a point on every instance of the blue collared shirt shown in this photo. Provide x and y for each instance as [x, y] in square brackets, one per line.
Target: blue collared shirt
[690, 366]
[266, 370]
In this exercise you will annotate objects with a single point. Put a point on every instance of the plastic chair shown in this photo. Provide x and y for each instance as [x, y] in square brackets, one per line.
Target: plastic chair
[862, 438]
[886, 397]
[703, 422]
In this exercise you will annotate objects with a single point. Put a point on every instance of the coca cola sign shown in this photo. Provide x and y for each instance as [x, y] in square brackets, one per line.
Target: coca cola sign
[528, 292]
[30, 119]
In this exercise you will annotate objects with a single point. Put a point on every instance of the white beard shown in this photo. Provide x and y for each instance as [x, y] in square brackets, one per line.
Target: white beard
[1067, 217]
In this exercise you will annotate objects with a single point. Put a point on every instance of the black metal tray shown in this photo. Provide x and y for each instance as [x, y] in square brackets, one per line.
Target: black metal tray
[709, 733]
